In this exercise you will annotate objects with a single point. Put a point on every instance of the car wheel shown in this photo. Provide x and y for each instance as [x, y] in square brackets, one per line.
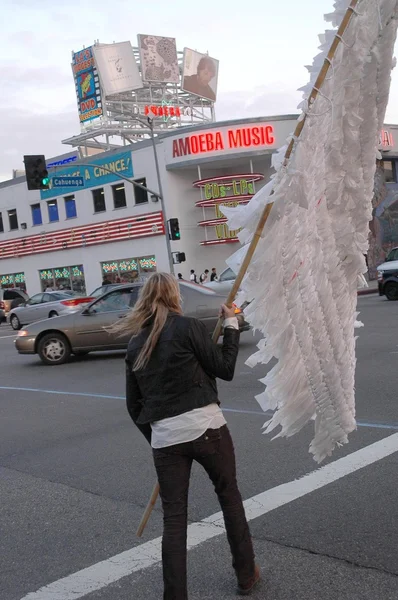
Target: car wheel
[391, 290]
[52, 314]
[14, 322]
[54, 349]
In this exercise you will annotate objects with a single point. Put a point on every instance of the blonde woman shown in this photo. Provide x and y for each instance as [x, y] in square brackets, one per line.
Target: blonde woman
[171, 370]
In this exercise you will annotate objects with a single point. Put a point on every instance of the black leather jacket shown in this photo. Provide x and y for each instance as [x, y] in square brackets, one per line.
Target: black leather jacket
[181, 372]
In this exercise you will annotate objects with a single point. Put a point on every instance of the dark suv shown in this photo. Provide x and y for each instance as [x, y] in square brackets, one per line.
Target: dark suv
[387, 276]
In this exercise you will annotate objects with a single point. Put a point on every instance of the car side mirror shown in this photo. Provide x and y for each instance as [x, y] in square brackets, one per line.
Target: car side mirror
[87, 312]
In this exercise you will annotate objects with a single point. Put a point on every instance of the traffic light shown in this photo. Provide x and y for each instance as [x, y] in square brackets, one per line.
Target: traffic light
[174, 229]
[36, 172]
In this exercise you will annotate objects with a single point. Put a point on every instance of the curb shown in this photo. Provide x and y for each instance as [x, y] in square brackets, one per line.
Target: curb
[368, 291]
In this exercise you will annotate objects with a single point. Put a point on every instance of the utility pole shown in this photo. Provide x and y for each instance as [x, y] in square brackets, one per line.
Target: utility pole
[155, 154]
[158, 194]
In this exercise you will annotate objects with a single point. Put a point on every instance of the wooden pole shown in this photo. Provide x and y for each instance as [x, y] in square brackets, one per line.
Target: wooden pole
[267, 209]
[148, 510]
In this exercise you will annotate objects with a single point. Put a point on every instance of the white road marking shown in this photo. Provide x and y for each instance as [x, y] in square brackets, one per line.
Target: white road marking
[3, 337]
[140, 557]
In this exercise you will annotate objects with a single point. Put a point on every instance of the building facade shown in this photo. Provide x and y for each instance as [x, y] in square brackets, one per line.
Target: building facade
[74, 238]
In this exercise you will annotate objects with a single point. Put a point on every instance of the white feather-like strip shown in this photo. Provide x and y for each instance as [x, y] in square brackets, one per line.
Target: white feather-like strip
[304, 275]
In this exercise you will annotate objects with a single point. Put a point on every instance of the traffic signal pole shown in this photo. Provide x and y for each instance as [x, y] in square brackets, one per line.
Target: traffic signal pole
[155, 155]
[143, 187]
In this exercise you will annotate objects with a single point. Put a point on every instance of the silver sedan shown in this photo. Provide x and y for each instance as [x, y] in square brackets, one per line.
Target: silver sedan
[44, 306]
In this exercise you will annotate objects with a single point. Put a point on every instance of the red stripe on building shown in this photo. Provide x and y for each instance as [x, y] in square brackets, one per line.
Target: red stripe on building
[146, 225]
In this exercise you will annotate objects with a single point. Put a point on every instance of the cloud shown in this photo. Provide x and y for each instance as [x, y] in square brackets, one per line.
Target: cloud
[24, 132]
[260, 101]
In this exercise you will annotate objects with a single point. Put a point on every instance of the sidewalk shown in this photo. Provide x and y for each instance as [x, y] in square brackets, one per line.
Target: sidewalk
[372, 289]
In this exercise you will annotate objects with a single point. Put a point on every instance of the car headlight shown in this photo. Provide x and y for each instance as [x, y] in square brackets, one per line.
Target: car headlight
[22, 333]
[380, 275]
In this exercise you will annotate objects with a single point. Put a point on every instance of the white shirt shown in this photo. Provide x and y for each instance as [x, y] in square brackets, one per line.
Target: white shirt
[190, 425]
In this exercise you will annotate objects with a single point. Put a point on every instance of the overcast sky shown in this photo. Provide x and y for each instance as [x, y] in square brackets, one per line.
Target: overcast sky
[262, 46]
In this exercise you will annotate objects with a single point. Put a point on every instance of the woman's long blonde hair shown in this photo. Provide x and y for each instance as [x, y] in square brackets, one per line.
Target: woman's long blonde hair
[159, 296]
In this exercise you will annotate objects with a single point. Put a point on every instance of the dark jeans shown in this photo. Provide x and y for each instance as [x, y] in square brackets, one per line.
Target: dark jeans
[215, 452]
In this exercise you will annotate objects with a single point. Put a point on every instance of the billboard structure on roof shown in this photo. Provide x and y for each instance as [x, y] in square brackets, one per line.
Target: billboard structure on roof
[137, 91]
[88, 91]
[159, 60]
[117, 68]
[200, 74]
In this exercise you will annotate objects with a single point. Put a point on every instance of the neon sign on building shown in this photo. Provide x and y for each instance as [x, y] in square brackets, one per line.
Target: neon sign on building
[226, 190]
[244, 137]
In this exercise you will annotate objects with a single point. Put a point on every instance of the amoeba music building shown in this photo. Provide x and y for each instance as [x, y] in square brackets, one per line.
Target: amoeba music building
[71, 238]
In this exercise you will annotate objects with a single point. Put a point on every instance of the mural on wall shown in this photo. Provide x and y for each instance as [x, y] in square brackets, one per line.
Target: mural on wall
[384, 225]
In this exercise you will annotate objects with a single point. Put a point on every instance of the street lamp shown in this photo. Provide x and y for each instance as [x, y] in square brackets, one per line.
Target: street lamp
[161, 196]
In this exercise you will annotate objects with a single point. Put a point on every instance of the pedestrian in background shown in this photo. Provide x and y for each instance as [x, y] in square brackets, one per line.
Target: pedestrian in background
[171, 370]
[213, 276]
[193, 277]
[204, 277]
[179, 276]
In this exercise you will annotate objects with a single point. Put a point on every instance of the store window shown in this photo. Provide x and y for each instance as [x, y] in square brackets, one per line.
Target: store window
[63, 278]
[70, 207]
[140, 195]
[36, 214]
[119, 196]
[99, 200]
[128, 270]
[52, 206]
[13, 219]
[1, 223]
[389, 171]
[13, 280]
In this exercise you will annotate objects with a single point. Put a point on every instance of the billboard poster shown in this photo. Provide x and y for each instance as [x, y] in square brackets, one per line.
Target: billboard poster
[158, 57]
[92, 176]
[117, 68]
[200, 74]
[87, 85]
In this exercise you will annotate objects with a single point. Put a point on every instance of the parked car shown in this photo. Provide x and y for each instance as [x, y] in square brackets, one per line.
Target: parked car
[3, 317]
[85, 331]
[387, 275]
[11, 298]
[224, 284]
[45, 305]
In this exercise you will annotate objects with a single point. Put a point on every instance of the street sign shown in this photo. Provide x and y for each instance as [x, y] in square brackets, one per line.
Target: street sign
[68, 182]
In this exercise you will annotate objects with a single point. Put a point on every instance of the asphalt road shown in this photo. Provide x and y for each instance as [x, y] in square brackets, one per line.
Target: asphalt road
[75, 476]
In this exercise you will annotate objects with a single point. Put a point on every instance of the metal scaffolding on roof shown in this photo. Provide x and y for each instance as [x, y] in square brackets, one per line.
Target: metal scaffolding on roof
[125, 115]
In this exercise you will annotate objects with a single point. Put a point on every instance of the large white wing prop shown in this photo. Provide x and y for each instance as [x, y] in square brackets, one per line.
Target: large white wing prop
[305, 271]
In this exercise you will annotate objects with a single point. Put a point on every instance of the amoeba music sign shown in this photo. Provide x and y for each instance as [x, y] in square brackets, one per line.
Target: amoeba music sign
[216, 142]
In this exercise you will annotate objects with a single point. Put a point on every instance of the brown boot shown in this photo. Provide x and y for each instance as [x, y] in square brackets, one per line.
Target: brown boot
[245, 590]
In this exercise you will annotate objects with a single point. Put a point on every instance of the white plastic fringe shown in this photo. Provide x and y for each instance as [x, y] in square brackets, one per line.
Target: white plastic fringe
[305, 272]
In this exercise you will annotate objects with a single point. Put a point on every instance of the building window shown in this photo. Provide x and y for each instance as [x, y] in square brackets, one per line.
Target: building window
[13, 219]
[128, 270]
[389, 171]
[119, 196]
[14, 280]
[1, 223]
[140, 195]
[70, 207]
[52, 206]
[99, 200]
[63, 278]
[36, 214]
